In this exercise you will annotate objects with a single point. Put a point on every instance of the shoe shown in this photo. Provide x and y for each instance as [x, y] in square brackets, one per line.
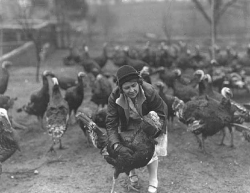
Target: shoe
[134, 180]
[152, 189]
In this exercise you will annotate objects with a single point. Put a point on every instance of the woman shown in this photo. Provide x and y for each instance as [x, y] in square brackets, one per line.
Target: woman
[131, 100]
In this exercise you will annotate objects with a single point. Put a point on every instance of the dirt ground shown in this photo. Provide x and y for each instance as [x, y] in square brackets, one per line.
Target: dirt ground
[81, 169]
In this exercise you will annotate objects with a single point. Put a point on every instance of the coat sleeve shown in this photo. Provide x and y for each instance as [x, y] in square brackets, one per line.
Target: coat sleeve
[112, 121]
[155, 103]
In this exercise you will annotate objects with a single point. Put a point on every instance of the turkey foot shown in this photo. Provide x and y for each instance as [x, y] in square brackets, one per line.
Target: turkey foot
[133, 188]
[51, 149]
[134, 185]
[61, 147]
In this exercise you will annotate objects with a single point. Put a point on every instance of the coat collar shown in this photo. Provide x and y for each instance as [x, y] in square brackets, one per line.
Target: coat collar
[123, 102]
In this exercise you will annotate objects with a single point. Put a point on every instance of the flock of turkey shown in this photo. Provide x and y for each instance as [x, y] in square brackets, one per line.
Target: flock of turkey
[201, 95]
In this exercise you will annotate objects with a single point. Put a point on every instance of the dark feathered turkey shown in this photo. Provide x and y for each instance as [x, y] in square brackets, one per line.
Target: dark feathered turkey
[103, 58]
[205, 116]
[57, 115]
[89, 63]
[186, 90]
[8, 139]
[38, 101]
[101, 89]
[137, 64]
[167, 76]
[168, 99]
[74, 95]
[7, 102]
[4, 76]
[205, 88]
[73, 58]
[145, 74]
[136, 139]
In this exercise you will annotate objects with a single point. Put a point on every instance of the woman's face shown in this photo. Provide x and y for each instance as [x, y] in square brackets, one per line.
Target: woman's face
[131, 88]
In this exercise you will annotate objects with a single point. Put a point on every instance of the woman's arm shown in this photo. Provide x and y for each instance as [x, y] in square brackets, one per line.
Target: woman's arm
[112, 121]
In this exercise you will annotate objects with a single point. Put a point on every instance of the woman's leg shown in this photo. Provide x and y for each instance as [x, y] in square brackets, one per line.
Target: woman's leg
[153, 180]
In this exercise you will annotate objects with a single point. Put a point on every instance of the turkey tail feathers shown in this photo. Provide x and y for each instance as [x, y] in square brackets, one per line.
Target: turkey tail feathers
[244, 130]
[93, 129]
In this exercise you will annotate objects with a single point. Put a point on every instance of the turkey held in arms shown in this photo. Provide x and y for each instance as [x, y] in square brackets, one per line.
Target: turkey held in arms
[57, 115]
[137, 139]
[8, 139]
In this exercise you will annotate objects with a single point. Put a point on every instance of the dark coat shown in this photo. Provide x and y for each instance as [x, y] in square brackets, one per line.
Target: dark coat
[117, 116]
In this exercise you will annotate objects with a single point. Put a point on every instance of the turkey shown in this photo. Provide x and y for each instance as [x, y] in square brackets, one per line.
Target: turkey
[121, 57]
[7, 102]
[235, 81]
[137, 64]
[102, 59]
[75, 94]
[137, 139]
[98, 117]
[65, 82]
[167, 76]
[38, 101]
[244, 130]
[184, 90]
[204, 116]
[207, 116]
[4, 76]
[205, 88]
[101, 89]
[57, 115]
[168, 99]
[8, 139]
[73, 58]
[145, 74]
[148, 54]
[87, 62]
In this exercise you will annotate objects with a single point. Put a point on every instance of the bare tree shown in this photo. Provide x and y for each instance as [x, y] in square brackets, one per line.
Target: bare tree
[167, 25]
[219, 7]
[107, 18]
[23, 16]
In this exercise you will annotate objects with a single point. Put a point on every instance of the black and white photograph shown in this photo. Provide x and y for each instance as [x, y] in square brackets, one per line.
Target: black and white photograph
[124, 96]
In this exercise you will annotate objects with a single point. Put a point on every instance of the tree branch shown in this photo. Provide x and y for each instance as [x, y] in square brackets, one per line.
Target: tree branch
[224, 9]
[202, 10]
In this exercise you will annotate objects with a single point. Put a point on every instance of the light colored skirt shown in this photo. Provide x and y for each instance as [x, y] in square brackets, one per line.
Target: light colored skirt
[160, 147]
